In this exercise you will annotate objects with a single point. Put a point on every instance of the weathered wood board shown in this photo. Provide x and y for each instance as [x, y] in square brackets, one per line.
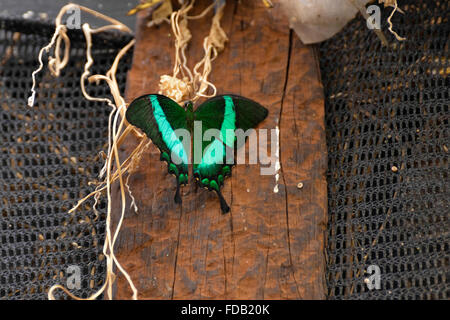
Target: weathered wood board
[271, 244]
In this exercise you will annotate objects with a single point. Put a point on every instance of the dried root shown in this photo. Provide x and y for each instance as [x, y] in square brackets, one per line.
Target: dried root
[192, 84]
[117, 131]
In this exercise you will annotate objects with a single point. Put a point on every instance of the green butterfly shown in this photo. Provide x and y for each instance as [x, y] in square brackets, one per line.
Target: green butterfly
[161, 119]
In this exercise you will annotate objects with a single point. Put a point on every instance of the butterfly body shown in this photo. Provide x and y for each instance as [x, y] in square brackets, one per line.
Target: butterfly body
[161, 119]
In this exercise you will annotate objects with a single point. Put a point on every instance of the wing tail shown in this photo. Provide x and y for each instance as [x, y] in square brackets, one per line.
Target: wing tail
[223, 204]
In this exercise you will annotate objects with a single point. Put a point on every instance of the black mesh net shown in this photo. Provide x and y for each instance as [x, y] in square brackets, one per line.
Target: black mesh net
[388, 143]
[48, 154]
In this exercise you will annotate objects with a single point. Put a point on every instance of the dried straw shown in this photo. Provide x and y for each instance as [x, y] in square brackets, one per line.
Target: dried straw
[194, 85]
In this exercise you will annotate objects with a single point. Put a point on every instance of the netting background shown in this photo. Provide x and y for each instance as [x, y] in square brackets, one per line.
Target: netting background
[48, 154]
[388, 143]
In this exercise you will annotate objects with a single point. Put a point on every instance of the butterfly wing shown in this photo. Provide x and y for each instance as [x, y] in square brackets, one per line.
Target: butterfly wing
[226, 112]
[158, 117]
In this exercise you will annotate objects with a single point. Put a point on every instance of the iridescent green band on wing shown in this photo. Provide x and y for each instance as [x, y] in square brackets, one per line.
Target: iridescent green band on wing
[168, 135]
[214, 154]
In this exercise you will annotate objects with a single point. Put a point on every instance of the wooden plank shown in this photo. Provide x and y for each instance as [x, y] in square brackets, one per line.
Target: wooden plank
[271, 244]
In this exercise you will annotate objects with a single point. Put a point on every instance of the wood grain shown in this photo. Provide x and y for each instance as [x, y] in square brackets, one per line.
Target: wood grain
[271, 244]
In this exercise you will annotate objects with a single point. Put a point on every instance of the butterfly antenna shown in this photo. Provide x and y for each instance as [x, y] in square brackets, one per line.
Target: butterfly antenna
[177, 198]
[223, 204]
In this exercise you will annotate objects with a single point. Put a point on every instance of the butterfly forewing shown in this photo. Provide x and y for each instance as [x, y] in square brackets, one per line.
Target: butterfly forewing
[158, 117]
[248, 113]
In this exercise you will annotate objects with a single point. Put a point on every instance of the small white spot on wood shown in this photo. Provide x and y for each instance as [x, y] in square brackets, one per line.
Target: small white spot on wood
[277, 163]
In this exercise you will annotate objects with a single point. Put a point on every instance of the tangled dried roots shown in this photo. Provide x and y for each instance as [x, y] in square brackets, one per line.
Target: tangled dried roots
[182, 85]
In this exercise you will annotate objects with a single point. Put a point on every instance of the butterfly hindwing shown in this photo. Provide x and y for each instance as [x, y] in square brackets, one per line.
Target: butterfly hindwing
[158, 117]
[225, 113]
